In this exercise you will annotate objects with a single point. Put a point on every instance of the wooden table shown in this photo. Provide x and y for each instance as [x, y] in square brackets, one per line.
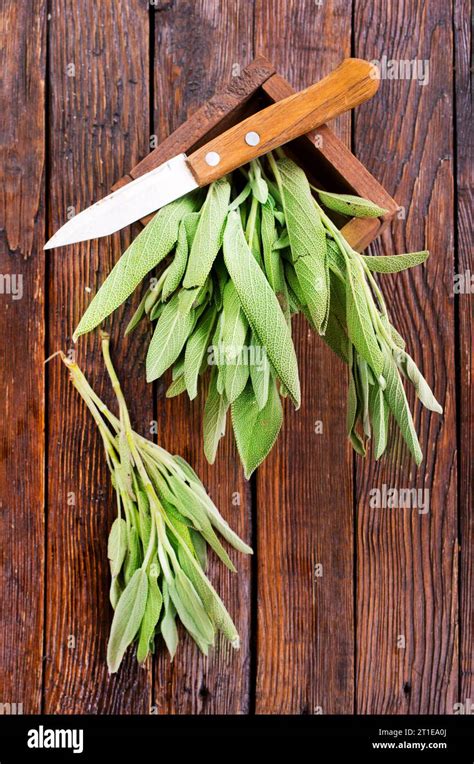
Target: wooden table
[386, 628]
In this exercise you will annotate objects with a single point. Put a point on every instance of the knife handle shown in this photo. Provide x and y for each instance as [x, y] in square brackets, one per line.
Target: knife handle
[352, 83]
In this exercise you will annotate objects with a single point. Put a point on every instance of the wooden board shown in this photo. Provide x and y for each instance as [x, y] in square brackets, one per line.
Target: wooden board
[22, 166]
[97, 128]
[304, 502]
[463, 296]
[311, 643]
[221, 683]
[407, 589]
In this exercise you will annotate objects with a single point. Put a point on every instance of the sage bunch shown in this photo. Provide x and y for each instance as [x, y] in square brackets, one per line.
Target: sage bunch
[234, 266]
[157, 547]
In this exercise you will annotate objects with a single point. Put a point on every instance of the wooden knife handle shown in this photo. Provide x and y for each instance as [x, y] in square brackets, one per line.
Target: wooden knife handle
[352, 83]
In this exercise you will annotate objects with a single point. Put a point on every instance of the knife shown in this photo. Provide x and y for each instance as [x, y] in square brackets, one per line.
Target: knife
[353, 82]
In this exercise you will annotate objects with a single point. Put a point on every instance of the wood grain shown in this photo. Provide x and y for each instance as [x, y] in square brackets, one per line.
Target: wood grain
[98, 127]
[304, 638]
[465, 270]
[74, 132]
[22, 167]
[406, 572]
[188, 69]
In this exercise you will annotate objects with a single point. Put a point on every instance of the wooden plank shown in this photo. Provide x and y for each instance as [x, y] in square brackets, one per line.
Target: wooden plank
[23, 56]
[463, 290]
[189, 68]
[407, 653]
[305, 621]
[98, 128]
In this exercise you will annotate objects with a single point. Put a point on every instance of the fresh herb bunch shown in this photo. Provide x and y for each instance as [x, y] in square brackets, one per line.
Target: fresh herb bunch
[157, 545]
[259, 248]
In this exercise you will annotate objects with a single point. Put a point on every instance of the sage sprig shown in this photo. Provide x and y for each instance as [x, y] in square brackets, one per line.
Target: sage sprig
[157, 543]
[260, 248]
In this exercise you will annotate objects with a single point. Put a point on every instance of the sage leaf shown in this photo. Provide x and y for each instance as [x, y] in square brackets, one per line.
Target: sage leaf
[395, 263]
[257, 183]
[260, 377]
[117, 545]
[395, 396]
[211, 600]
[217, 520]
[199, 546]
[214, 420]
[359, 323]
[149, 248]
[127, 618]
[196, 349]
[176, 387]
[151, 617]
[168, 624]
[208, 238]
[236, 376]
[347, 204]
[240, 198]
[235, 326]
[133, 558]
[379, 413]
[363, 378]
[422, 388]
[260, 306]
[353, 409]
[137, 316]
[115, 593]
[307, 238]
[171, 332]
[190, 506]
[187, 231]
[255, 429]
[193, 608]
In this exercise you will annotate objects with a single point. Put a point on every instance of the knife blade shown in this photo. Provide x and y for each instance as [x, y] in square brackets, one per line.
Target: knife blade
[352, 83]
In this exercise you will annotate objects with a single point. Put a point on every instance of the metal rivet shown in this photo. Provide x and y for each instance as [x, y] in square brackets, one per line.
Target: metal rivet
[252, 138]
[212, 158]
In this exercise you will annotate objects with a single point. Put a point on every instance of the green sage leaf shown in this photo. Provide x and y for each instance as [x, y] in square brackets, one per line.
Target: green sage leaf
[395, 263]
[208, 238]
[423, 390]
[150, 620]
[171, 332]
[187, 231]
[196, 349]
[379, 413]
[117, 545]
[168, 623]
[148, 249]
[307, 238]
[260, 305]
[255, 429]
[214, 420]
[359, 322]
[347, 204]
[127, 618]
[395, 396]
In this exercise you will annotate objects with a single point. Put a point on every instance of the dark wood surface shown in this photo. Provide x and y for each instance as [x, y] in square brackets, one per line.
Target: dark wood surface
[311, 643]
